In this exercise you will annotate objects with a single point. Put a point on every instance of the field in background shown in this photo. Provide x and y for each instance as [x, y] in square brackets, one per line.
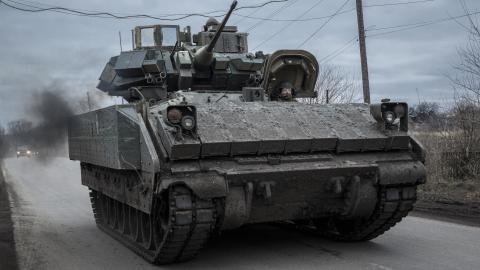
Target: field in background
[453, 183]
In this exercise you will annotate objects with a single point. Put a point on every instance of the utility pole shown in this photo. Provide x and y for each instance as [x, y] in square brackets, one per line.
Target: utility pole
[363, 52]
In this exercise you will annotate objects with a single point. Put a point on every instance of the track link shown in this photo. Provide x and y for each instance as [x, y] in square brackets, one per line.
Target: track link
[394, 203]
[177, 232]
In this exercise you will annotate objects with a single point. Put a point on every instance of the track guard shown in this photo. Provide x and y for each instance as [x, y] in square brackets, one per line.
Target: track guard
[205, 186]
[402, 173]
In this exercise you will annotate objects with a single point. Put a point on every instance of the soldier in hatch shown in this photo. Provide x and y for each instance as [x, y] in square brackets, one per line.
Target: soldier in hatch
[284, 92]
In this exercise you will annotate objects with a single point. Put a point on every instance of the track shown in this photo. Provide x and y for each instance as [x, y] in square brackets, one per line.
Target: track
[394, 203]
[55, 230]
[173, 234]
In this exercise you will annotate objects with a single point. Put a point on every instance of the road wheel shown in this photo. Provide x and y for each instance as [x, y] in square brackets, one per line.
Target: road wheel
[112, 213]
[134, 225]
[146, 227]
[105, 209]
[121, 217]
[161, 219]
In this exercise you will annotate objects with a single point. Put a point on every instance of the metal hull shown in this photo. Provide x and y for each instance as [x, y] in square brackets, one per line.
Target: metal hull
[265, 189]
[320, 174]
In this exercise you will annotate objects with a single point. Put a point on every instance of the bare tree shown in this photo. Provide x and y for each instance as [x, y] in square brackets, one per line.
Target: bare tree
[424, 112]
[19, 130]
[334, 85]
[466, 82]
[465, 137]
[19, 127]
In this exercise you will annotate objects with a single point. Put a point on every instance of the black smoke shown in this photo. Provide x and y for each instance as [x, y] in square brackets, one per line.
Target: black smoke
[52, 110]
[49, 111]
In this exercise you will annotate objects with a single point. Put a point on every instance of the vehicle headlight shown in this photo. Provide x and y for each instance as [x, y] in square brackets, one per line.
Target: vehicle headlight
[28, 152]
[188, 122]
[174, 116]
[393, 115]
[18, 152]
[182, 115]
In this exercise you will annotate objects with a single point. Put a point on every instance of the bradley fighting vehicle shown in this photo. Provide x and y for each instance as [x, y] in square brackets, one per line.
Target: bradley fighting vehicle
[214, 137]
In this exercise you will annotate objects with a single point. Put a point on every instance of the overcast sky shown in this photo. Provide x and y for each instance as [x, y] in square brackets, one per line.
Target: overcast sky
[38, 50]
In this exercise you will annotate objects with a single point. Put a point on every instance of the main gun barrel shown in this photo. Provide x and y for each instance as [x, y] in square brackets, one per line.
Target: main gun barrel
[203, 58]
[222, 26]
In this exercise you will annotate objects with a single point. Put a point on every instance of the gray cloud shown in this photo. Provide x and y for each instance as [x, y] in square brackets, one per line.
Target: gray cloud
[39, 48]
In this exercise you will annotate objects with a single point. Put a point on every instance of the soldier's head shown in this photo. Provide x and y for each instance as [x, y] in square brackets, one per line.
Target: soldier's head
[284, 92]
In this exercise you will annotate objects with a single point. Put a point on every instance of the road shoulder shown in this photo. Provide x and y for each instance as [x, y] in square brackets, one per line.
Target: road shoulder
[8, 256]
[454, 211]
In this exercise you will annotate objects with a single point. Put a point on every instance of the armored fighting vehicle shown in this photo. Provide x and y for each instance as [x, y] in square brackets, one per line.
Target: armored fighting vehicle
[214, 137]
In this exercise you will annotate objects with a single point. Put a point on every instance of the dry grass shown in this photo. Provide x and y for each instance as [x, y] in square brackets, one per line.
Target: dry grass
[453, 175]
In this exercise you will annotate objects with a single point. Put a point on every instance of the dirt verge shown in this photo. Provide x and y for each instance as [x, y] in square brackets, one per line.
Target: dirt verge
[8, 258]
[448, 208]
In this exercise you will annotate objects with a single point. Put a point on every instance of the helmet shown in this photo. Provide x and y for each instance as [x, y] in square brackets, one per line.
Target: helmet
[210, 22]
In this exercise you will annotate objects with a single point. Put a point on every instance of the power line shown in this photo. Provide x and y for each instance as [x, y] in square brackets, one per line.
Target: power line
[180, 16]
[95, 14]
[332, 15]
[409, 26]
[338, 51]
[103, 14]
[57, 11]
[397, 28]
[262, 4]
[398, 3]
[273, 14]
[288, 24]
[324, 24]
[334, 54]
[249, 14]
[297, 20]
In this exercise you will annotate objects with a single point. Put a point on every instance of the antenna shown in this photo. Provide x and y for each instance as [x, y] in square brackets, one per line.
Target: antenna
[175, 48]
[133, 41]
[88, 101]
[120, 38]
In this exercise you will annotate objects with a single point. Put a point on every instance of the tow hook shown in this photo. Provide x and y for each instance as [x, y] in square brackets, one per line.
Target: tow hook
[265, 190]
[335, 184]
[352, 196]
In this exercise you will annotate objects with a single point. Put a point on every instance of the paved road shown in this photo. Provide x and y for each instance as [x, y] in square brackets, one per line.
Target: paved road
[54, 229]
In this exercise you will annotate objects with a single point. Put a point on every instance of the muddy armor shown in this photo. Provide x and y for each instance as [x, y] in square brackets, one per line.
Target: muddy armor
[205, 145]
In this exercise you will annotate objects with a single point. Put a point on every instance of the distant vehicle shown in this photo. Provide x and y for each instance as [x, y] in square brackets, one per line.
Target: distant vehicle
[24, 151]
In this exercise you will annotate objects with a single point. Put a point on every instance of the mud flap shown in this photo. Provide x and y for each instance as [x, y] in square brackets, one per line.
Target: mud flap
[205, 186]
